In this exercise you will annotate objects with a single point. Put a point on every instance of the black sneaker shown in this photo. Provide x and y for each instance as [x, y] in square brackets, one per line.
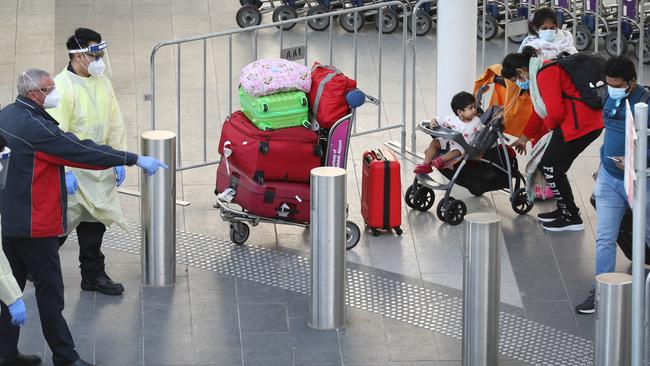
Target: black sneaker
[566, 222]
[549, 216]
[21, 360]
[587, 307]
[103, 285]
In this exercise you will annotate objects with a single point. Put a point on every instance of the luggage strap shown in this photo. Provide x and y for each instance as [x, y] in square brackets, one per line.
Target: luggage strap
[321, 87]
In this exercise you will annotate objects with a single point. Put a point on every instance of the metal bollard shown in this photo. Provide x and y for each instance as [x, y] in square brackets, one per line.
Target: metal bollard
[327, 234]
[481, 289]
[158, 211]
[613, 319]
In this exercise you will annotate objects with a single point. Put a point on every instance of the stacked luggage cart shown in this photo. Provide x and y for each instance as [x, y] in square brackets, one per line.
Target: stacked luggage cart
[269, 148]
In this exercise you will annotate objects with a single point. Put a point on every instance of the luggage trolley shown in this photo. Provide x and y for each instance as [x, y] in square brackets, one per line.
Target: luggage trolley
[337, 141]
[251, 11]
[588, 18]
[630, 31]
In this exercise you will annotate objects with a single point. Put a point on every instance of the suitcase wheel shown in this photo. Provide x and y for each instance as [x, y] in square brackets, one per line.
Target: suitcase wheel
[398, 231]
[239, 232]
[352, 235]
[375, 231]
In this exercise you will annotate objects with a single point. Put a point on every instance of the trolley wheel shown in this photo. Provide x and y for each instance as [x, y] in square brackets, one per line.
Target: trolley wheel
[284, 12]
[352, 235]
[390, 21]
[610, 44]
[517, 39]
[442, 205]
[519, 202]
[646, 52]
[319, 24]
[399, 231]
[455, 212]
[375, 231]
[584, 38]
[256, 3]
[491, 27]
[239, 232]
[248, 16]
[347, 21]
[423, 23]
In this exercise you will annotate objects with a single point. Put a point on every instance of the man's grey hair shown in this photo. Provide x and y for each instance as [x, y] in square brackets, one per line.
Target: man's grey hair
[30, 80]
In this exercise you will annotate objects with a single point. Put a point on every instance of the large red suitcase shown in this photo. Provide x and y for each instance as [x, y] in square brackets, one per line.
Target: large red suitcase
[273, 199]
[287, 154]
[381, 191]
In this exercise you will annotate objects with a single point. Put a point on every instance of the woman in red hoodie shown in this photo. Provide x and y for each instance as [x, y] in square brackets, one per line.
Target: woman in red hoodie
[557, 108]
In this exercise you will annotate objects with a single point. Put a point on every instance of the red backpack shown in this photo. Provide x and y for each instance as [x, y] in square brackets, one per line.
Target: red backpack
[329, 87]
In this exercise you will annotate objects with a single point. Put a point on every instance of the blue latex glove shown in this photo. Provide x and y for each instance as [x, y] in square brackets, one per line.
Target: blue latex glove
[150, 165]
[18, 313]
[71, 183]
[120, 175]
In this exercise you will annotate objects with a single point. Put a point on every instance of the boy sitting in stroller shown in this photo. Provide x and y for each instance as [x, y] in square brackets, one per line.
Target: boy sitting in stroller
[465, 121]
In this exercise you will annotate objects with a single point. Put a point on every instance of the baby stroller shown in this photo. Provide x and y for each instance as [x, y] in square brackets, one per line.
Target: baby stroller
[489, 164]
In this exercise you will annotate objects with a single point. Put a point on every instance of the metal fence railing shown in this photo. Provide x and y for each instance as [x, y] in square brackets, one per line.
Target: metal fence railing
[254, 33]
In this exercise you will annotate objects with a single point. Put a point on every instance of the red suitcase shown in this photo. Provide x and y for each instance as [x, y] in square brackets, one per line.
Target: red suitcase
[273, 199]
[381, 191]
[286, 154]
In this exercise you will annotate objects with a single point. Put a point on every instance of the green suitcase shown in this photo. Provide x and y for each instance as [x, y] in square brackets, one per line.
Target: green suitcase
[279, 110]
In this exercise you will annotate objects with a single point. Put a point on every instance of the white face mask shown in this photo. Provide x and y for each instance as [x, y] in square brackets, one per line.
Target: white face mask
[548, 34]
[97, 67]
[52, 100]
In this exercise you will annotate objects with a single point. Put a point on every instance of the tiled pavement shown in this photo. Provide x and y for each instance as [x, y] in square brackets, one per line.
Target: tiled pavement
[544, 275]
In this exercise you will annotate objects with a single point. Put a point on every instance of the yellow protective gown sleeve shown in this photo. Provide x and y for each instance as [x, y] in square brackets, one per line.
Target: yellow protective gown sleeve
[9, 290]
[90, 110]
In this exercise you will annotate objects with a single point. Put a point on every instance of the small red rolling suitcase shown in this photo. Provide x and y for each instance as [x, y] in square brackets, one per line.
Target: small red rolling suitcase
[276, 200]
[287, 154]
[381, 191]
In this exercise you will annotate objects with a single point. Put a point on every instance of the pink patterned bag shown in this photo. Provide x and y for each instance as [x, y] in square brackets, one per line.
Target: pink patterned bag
[272, 75]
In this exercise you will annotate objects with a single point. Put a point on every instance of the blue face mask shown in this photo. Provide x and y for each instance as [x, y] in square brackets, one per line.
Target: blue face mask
[617, 93]
[524, 85]
[548, 34]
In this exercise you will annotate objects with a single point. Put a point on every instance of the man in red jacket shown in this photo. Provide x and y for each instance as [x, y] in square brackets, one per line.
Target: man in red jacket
[575, 126]
[33, 208]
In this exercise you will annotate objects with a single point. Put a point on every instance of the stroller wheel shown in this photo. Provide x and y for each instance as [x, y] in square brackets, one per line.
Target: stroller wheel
[408, 196]
[455, 212]
[422, 198]
[442, 205]
[239, 232]
[352, 235]
[520, 202]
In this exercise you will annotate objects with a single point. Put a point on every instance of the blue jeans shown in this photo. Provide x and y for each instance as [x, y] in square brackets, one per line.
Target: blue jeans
[611, 203]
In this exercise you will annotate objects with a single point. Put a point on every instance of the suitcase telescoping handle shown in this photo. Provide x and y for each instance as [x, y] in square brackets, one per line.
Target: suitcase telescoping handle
[371, 155]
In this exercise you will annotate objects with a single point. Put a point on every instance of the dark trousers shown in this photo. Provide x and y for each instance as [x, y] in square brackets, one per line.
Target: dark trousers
[557, 160]
[40, 258]
[91, 258]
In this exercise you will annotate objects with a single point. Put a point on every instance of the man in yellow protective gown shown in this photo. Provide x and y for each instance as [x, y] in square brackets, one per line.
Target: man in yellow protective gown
[90, 110]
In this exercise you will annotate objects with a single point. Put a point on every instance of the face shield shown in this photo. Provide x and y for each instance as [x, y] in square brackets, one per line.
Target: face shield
[99, 62]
